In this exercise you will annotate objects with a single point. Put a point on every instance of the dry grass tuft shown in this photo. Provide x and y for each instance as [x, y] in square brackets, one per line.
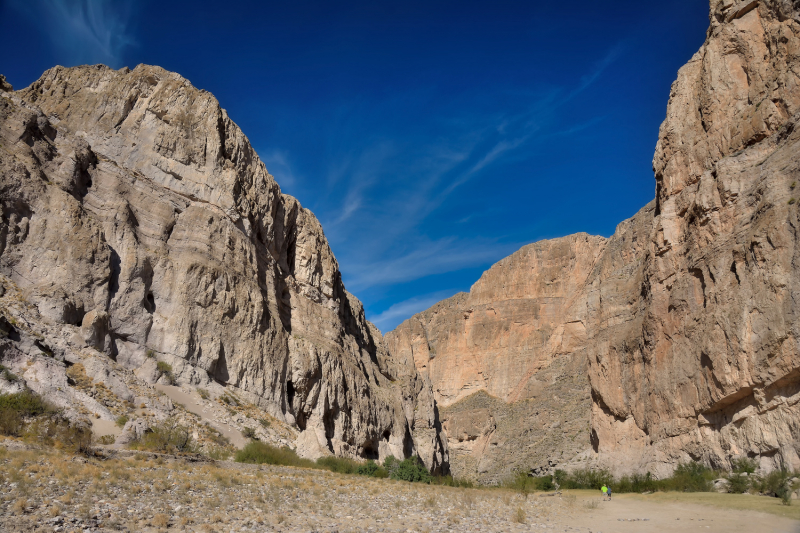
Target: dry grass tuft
[160, 520]
[519, 516]
[20, 505]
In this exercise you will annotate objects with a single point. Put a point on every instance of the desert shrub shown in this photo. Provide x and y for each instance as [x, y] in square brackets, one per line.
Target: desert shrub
[107, 439]
[411, 469]
[584, 478]
[203, 393]
[371, 469]
[150, 354]
[776, 483]
[77, 439]
[249, 433]
[26, 403]
[8, 376]
[11, 422]
[264, 422]
[122, 420]
[257, 452]
[690, 477]
[168, 436]
[340, 465]
[738, 484]
[218, 453]
[744, 465]
[450, 481]
[165, 369]
[635, 483]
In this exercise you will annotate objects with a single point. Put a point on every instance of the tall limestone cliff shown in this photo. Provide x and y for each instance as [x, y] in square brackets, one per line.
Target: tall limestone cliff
[139, 225]
[706, 365]
[684, 323]
[502, 360]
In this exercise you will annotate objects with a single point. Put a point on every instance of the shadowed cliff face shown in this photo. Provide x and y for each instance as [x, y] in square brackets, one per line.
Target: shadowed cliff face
[136, 216]
[686, 319]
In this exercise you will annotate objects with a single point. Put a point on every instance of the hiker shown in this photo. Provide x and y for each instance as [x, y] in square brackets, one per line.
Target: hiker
[609, 493]
[604, 490]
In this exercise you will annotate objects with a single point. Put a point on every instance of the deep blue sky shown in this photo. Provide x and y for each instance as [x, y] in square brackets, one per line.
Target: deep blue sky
[431, 138]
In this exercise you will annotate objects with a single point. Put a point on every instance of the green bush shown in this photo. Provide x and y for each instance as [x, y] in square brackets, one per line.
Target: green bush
[371, 469]
[584, 478]
[777, 484]
[26, 403]
[411, 469]
[249, 433]
[203, 393]
[690, 477]
[635, 483]
[261, 453]
[339, 465]
[122, 420]
[163, 367]
[738, 484]
[744, 465]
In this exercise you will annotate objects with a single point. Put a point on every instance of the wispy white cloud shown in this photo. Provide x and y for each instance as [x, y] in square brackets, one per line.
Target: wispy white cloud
[394, 315]
[597, 70]
[83, 31]
[425, 259]
[278, 164]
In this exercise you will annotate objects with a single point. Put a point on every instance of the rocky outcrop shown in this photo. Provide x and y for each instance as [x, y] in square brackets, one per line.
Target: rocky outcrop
[707, 366]
[502, 360]
[686, 318]
[138, 222]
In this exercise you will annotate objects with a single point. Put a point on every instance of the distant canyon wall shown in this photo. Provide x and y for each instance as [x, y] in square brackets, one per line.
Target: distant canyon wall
[683, 325]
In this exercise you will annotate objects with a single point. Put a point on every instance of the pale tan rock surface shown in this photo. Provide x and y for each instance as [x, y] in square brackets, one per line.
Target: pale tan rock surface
[687, 320]
[138, 222]
[512, 338]
[707, 364]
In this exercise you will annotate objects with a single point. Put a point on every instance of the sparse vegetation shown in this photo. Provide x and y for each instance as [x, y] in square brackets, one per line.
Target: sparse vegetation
[411, 469]
[203, 393]
[168, 436]
[122, 420]
[165, 369]
[262, 453]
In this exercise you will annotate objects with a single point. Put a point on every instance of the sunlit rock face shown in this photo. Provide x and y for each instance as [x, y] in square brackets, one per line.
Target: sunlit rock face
[137, 218]
[708, 367]
[684, 323]
[502, 360]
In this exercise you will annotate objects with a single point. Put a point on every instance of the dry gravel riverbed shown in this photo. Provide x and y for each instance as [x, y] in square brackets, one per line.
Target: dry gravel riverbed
[45, 490]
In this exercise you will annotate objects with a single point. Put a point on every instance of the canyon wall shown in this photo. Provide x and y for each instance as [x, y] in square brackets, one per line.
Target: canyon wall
[502, 360]
[684, 323]
[140, 225]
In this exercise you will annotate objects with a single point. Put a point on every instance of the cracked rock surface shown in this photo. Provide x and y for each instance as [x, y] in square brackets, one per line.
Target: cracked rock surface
[139, 228]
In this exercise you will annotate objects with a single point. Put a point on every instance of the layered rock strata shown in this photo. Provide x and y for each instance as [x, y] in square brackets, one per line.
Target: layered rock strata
[139, 223]
[502, 360]
[686, 320]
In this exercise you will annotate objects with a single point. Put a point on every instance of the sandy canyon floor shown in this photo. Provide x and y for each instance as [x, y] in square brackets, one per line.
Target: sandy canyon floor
[45, 490]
